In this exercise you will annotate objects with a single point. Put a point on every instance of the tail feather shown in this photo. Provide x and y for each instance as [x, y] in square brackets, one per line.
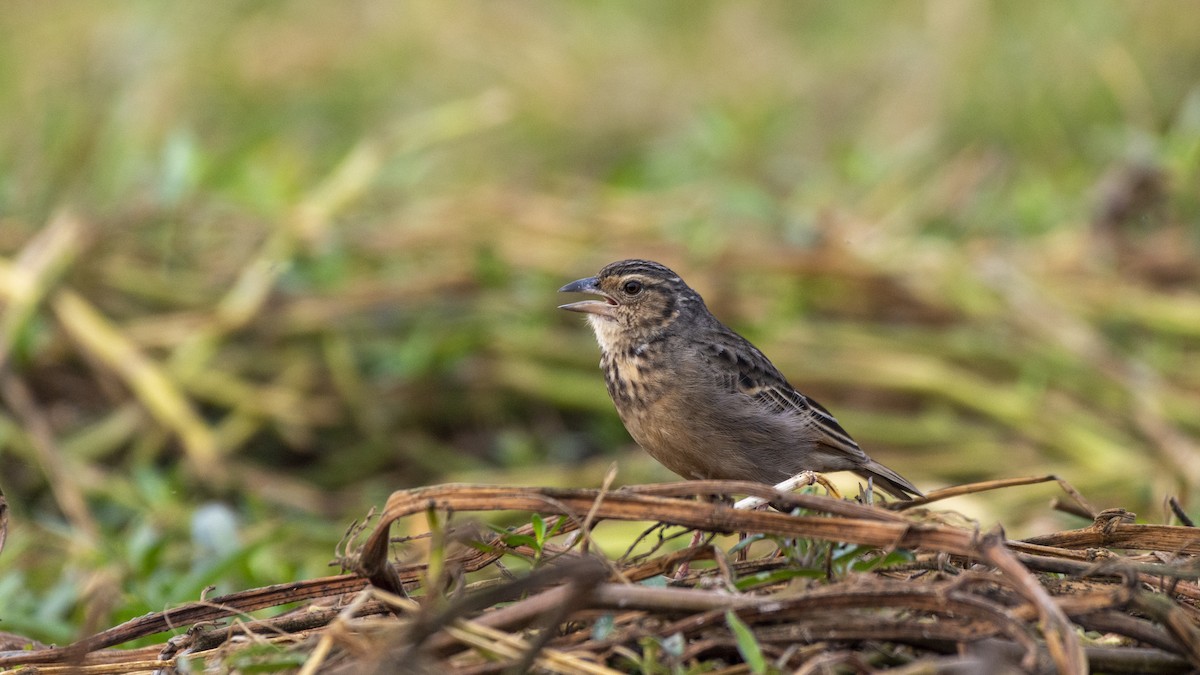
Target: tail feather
[889, 481]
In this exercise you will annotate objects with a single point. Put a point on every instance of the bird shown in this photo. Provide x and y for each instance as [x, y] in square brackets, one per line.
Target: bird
[701, 399]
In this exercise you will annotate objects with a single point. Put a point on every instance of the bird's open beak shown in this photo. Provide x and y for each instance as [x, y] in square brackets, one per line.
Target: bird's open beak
[603, 307]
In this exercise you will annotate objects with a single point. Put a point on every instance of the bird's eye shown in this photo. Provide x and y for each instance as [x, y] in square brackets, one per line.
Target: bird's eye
[632, 287]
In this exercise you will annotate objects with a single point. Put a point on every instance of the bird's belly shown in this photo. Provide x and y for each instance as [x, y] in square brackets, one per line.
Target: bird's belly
[695, 448]
[673, 449]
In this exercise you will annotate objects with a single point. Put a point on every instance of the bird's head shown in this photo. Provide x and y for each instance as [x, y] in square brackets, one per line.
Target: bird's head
[638, 300]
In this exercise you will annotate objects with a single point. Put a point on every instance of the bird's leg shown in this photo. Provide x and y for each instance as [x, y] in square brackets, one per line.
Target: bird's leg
[697, 537]
[685, 566]
[820, 478]
[802, 478]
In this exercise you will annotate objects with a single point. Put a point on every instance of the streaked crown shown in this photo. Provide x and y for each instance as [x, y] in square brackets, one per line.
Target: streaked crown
[650, 297]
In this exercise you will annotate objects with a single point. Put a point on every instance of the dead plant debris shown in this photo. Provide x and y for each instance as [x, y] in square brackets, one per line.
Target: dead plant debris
[833, 585]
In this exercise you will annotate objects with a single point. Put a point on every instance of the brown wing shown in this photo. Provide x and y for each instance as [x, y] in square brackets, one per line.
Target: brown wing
[759, 379]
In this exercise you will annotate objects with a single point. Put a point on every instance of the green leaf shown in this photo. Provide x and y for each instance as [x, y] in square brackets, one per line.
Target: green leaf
[657, 581]
[775, 576]
[747, 644]
[893, 558]
[674, 645]
[557, 526]
[603, 627]
[539, 529]
[515, 540]
[746, 542]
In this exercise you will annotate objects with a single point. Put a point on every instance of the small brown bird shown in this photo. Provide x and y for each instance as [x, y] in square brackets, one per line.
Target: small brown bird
[700, 398]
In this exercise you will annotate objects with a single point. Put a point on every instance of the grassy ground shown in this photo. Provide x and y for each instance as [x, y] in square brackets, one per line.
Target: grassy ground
[265, 263]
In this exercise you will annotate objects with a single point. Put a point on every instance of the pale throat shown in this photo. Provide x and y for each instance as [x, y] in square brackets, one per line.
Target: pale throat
[609, 334]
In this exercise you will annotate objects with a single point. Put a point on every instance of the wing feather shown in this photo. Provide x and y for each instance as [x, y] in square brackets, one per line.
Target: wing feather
[759, 379]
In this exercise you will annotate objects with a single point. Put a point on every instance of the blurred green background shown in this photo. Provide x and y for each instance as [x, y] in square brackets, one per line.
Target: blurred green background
[263, 263]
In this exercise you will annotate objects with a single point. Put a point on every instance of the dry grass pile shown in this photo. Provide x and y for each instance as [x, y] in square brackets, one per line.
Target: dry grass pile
[835, 584]
[282, 282]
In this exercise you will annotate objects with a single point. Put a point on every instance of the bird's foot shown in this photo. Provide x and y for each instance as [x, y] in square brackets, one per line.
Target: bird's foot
[802, 478]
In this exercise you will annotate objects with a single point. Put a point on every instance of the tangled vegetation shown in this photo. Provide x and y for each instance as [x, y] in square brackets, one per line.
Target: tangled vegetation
[262, 265]
[833, 585]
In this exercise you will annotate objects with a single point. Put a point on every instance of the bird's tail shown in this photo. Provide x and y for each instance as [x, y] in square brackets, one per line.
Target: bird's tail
[887, 480]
